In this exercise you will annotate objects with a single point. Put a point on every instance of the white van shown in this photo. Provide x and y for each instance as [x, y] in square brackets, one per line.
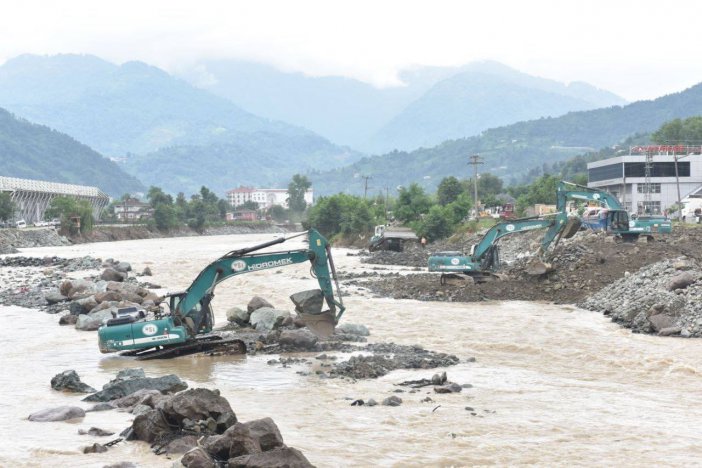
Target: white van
[21, 224]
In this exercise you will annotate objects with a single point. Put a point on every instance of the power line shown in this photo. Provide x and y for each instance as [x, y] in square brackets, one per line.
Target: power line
[365, 189]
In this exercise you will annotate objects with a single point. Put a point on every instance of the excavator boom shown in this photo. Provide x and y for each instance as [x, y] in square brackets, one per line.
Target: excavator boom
[190, 312]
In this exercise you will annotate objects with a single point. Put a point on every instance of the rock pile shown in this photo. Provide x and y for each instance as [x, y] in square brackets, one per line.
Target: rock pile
[12, 239]
[663, 298]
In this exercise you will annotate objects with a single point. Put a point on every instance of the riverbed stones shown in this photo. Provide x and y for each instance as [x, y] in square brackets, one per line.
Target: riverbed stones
[120, 388]
[110, 274]
[353, 329]
[93, 320]
[282, 457]
[239, 316]
[70, 381]
[300, 338]
[54, 297]
[83, 305]
[393, 400]
[60, 413]
[256, 303]
[197, 458]
[265, 319]
[681, 281]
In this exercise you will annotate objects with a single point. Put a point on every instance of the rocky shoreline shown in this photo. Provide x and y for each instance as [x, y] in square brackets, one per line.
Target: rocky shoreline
[13, 239]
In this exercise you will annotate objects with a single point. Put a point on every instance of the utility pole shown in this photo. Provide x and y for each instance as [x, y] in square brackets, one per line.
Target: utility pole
[474, 161]
[386, 204]
[365, 189]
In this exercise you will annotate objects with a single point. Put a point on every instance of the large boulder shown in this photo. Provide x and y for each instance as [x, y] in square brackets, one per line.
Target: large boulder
[108, 296]
[69, 381]
[151, 427]
[200, 404]
[181, 445]
[681, 281]
[256, 303]
[234, 442]
[352, 329]
[136, 398]
[661, 321]
[238, 316]
[83, 305]
[54, 297]
[93, 320]
[120, 388]
[79, 288]
[266, 432]
[197, 458]
[123, 267]
[266, 319]
[61, 413]
[110, 274]
[68, 319]
[282, 457]
[301, 338]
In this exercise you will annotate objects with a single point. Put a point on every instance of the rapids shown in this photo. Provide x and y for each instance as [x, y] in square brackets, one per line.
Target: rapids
[553, 385]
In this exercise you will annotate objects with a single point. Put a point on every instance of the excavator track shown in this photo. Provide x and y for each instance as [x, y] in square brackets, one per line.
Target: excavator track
[199, 345]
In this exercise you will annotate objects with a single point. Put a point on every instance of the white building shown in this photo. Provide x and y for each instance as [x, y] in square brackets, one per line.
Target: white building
[625, 176]
[264, 197]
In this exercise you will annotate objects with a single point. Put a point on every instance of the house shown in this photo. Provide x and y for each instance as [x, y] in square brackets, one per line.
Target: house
[132, 209]
[242, 215]
[264, 197]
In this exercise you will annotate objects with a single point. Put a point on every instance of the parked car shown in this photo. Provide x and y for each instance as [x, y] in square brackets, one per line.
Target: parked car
[21, 224]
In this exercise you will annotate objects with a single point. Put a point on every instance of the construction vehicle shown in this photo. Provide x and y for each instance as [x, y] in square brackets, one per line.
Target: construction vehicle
[390, 238]
[186, 326]
[484, 258]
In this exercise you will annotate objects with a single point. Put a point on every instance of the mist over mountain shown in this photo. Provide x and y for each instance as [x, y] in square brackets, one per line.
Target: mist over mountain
[510, 151]
[434, 104]
[133, 110]
[34, 151]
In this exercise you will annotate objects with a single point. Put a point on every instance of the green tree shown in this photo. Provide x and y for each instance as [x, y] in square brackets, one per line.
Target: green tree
[341, 214]
[66, 208]
[7, 206]
[157, 196]
[296, 193]
[448, 191]
[412, 202]
[165, 217]
[679, 132]
[278, 213]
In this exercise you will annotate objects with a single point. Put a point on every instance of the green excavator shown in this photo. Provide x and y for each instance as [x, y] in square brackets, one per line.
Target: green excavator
[484, 259]
[187, 324]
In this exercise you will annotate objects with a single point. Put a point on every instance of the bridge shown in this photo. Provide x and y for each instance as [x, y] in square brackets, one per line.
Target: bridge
[32, 197]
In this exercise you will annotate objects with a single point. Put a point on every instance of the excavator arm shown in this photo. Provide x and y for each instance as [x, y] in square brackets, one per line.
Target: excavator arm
[190, 313]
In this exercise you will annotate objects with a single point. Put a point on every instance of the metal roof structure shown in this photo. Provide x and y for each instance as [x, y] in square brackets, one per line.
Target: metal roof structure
[33, 197]
[29, 185]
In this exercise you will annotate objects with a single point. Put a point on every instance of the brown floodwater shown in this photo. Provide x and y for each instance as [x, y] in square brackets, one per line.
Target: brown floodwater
[552, 385]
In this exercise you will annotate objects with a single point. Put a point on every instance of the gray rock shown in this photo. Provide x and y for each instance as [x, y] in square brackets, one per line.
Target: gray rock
[300, 338]
[238, 316]
[54, 297]
[151, 426]
[96, 432]
[101, 407]
[121, 388]
[200, 404]
[135, 398]
[448, 388]
[353, 329]
[308, 302]
[681, 281]
[181, 445]
[95, 448]
[80, 288]
[235, 441]
[83, 305]
[110, 274]
[129, 373]
[266, 432]
[123, 267]
[392, 401]
[257, 302]
[670, 331]
[661, 321]
[69, 381]
[371, 402]
[68, 319]
[140, 409]
[93, 320]
[61, 413]
[265, 319]
[108, 296]
[439, 379]
[146, 272]
[121, 465]
[282, 457]
[197, 458]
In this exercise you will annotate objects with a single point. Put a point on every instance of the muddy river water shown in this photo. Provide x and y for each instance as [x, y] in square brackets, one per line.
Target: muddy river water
[552, 385]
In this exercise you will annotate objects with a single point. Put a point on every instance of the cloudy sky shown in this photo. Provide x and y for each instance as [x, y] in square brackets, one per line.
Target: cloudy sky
[637, 49]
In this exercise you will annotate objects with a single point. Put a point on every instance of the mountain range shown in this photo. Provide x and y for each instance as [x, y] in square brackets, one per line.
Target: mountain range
[34, 151]
[510, 151]
[432, 104]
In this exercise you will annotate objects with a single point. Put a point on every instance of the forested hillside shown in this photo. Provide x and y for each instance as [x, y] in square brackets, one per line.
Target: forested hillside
[511, 151]
[37, 152]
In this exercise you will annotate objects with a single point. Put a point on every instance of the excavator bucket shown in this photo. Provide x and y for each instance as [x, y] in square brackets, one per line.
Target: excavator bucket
[571, 228]
[308, 305]
[537, 267]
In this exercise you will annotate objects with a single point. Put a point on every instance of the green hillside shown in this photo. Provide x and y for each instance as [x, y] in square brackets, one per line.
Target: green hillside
[37, 152]
[511, 151]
